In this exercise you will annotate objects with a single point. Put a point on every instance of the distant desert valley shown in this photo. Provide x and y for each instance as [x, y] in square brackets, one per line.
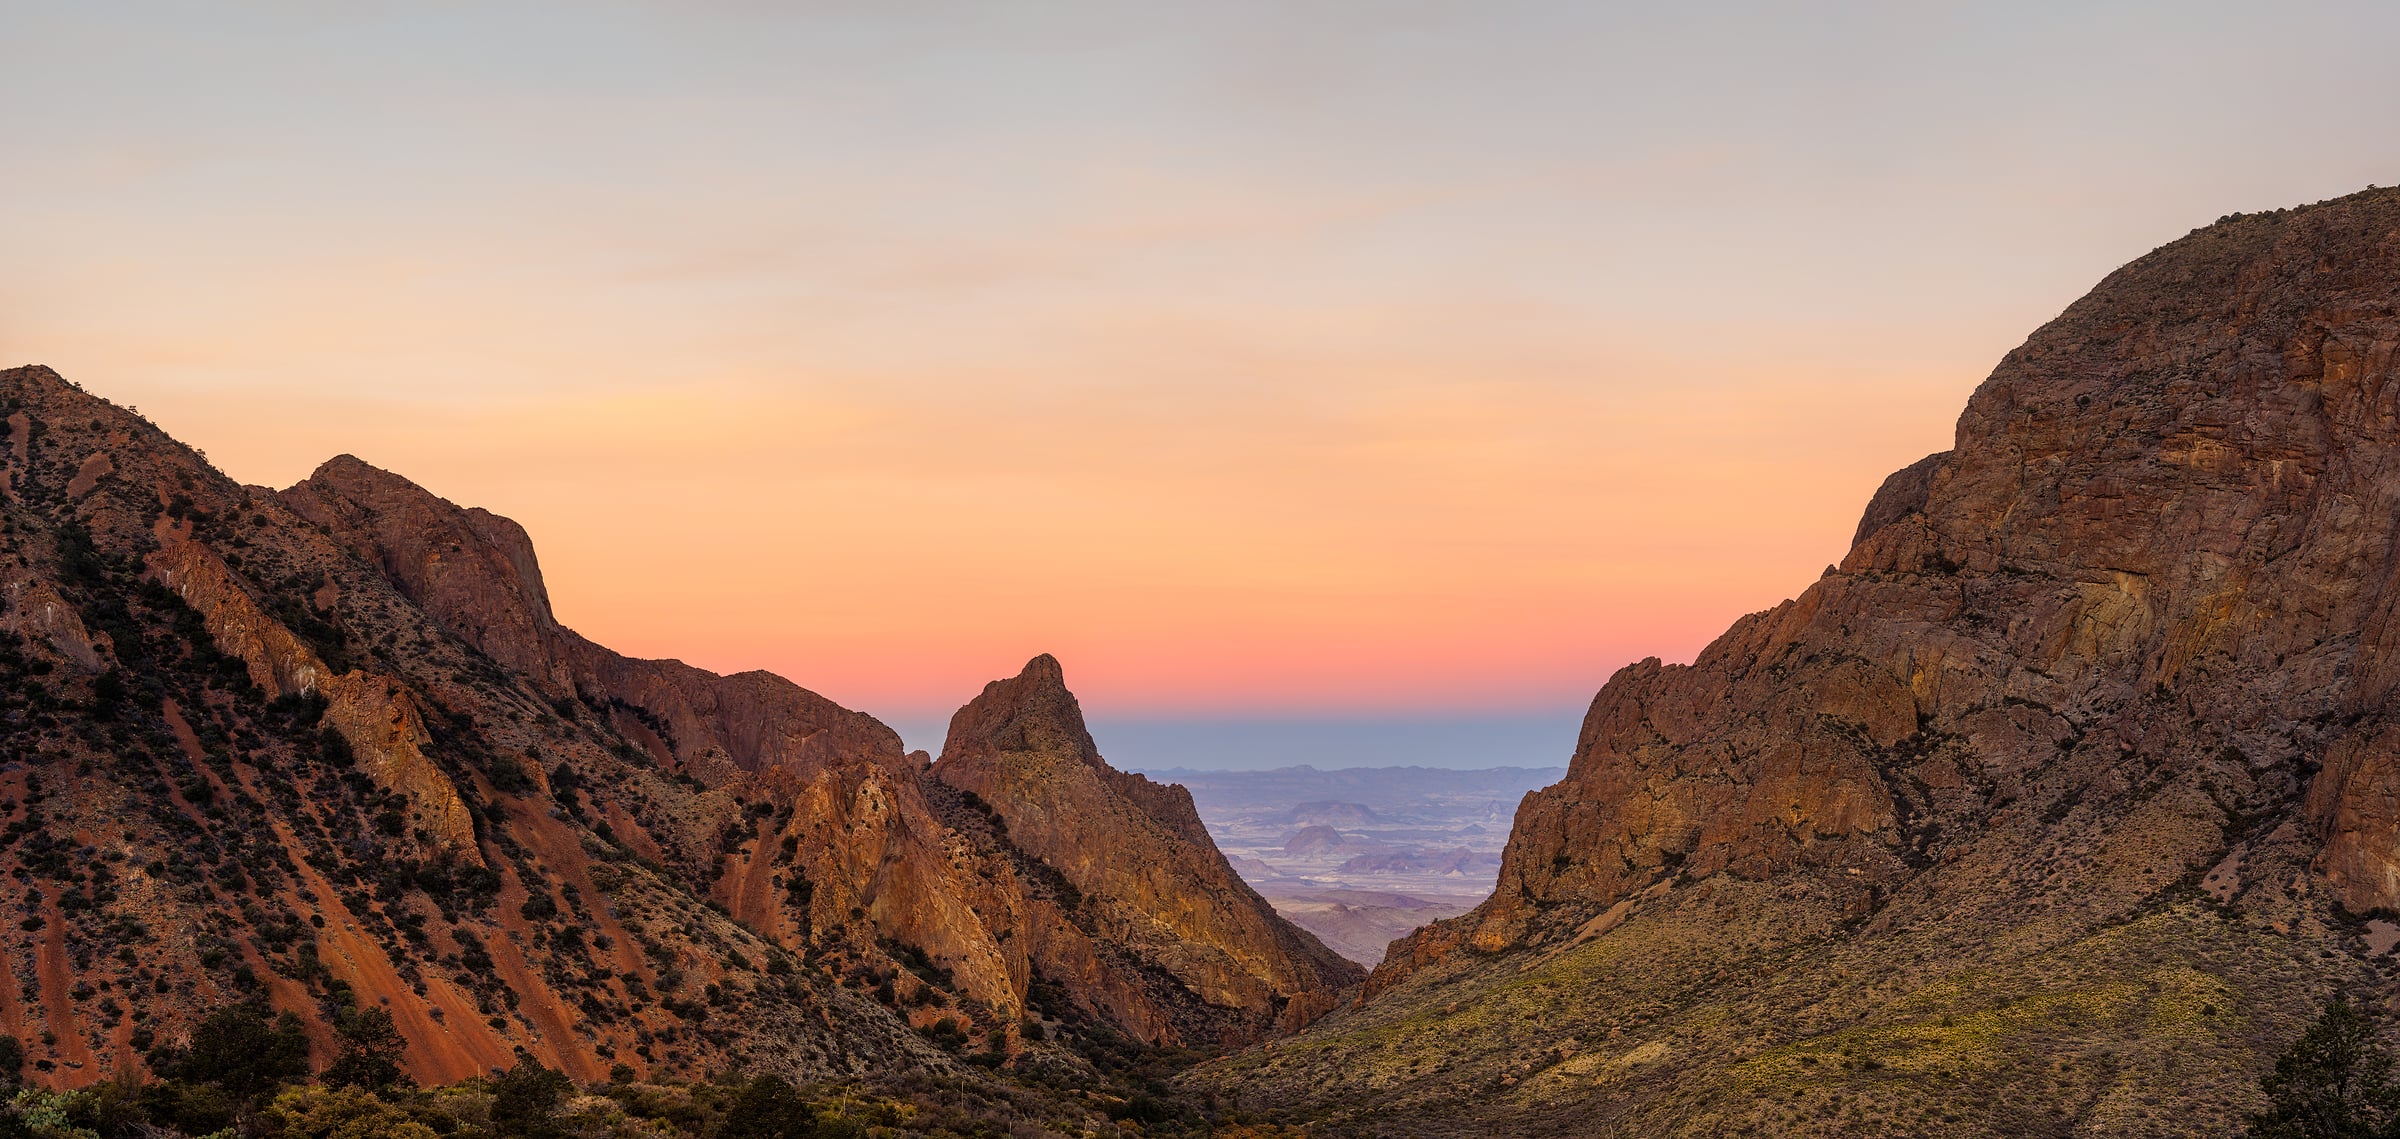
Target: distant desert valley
[1361, 856]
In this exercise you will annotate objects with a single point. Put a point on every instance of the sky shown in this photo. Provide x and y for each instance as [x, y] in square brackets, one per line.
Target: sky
[1374, 363]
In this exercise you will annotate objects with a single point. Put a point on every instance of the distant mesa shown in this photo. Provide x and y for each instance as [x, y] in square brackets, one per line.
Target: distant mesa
[1252, 869]
[1458, 860]
[1312, 842]
[1320, 841]
[1334, 814]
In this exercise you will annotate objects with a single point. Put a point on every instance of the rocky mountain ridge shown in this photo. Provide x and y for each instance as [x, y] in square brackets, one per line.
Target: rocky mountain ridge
[2052, 809]
[330, 745]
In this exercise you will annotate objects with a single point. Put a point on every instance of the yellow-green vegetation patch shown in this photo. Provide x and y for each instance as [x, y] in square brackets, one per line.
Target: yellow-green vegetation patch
[1602, 1067]
[2191, 1005]
[1957, 1044]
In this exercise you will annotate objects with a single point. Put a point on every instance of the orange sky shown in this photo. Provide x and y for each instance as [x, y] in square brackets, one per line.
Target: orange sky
[1249, 359]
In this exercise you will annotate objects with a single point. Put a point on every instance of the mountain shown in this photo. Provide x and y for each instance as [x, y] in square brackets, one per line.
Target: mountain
[329, 747]
[2054, 809]
[1216, 953]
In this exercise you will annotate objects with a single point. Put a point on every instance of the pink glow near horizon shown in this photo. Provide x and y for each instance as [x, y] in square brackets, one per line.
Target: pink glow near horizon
[1246, 357]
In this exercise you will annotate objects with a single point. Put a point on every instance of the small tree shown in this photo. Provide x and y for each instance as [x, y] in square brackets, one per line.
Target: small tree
[2335, 1082]
[768, 1108]
[240, 1051]
[371, 1051]
[526, 1098]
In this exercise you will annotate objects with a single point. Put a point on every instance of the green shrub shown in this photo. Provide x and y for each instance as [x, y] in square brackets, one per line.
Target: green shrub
[337, 1113]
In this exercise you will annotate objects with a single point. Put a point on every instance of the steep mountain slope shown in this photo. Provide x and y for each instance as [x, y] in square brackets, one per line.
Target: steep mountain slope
[2049, 811]
[330, 746]
[1137, 851]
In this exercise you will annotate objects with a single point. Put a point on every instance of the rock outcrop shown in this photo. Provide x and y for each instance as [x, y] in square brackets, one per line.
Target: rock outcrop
[2134, 633]
[1139, 858]
[375, 715]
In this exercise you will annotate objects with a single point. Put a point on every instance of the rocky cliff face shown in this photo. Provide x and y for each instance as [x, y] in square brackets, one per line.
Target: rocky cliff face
[1220, 964]
[330, 745]
[2055, 802]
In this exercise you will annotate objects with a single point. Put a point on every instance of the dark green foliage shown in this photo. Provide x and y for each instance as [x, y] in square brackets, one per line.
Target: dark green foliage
[108, 693]
[768, 1108]
[371, 1051]
[526, 1098]
[1141, 1108]
[78, 561]
[947, 1033]
[334, 749]
[564, 783]
[508, 776]
[112, 1107]
[2335, 1082]
[194, 1109]
[918, 962]
[238, 1050]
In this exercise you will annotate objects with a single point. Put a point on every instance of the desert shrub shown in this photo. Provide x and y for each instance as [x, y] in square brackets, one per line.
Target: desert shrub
[337, 1113]
[107, 1108]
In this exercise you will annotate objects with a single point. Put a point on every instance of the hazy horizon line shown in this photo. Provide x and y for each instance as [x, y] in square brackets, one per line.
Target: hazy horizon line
[1533, 739]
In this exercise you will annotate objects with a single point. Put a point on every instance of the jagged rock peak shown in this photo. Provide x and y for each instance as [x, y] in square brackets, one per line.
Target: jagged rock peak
[1227, 966]
[1029, 713]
